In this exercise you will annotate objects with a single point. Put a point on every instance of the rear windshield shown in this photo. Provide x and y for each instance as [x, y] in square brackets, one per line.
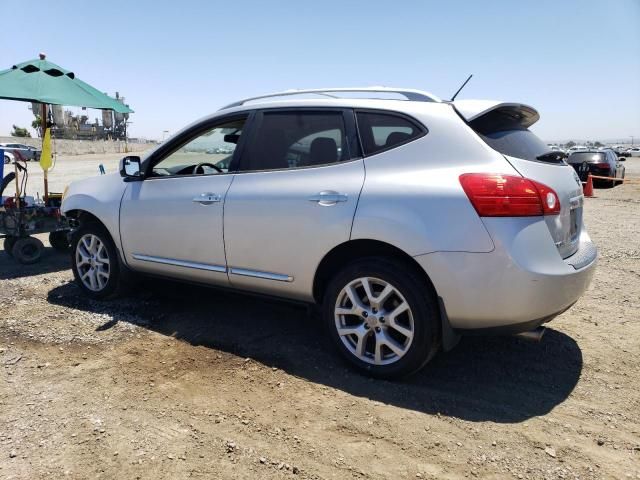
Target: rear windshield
[502, 131]
[580, 157]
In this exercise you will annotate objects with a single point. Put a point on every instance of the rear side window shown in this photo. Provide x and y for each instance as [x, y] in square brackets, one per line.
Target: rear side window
[382, 131]
[297, 139]
[502, 131]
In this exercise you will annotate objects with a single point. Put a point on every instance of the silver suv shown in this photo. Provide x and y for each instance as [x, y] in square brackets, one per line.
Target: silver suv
[410, 220]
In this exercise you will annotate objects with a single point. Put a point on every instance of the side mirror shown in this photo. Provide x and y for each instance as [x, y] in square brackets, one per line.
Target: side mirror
[622, 159]
[130, 168]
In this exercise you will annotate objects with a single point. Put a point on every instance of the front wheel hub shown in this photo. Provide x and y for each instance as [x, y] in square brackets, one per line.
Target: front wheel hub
[92, 262]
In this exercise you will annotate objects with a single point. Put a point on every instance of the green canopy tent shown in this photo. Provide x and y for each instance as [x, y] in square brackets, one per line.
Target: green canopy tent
[46, 83]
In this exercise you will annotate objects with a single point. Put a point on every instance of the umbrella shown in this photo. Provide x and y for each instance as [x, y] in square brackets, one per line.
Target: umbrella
[42, 81]
[45, 82]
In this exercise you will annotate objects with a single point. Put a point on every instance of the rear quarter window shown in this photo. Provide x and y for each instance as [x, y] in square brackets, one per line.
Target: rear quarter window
[383, 131]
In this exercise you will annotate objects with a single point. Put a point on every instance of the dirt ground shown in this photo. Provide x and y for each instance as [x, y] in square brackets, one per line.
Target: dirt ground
[176, 381]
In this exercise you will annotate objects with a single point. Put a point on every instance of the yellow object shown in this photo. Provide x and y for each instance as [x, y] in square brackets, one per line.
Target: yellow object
[45, 156]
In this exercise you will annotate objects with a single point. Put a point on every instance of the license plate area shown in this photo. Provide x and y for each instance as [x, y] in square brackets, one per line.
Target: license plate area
[583, 171]
[575, 218]
[574, 224]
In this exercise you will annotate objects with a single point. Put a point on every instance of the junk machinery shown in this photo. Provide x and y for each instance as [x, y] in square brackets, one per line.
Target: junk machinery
[78, 127]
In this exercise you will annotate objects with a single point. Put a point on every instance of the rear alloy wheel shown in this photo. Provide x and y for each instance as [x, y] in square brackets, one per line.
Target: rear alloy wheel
[27, 250]
[374, 321]
[94, 261]
[382, 317]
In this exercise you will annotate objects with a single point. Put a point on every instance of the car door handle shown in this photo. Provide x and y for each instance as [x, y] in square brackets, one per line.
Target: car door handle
[328, 198]
[207, 198]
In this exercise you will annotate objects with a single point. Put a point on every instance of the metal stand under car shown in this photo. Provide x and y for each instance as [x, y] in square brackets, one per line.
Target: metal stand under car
[22, 216]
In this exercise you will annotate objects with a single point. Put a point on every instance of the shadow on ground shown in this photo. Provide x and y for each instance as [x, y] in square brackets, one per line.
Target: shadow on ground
[500, 379]
[51, 261]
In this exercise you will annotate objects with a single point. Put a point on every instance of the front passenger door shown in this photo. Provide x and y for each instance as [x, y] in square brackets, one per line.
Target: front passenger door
[171, 223]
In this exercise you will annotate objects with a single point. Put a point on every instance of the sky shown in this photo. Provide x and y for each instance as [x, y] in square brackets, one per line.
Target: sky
[576, 61]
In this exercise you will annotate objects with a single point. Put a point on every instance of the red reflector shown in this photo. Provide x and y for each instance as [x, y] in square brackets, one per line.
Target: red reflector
[495, 195]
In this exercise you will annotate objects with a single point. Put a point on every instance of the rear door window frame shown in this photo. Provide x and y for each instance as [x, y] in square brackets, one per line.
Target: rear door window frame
[392, 113]
[351, 134]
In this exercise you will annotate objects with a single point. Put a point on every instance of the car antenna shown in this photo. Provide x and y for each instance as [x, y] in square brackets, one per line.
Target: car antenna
[465, 82]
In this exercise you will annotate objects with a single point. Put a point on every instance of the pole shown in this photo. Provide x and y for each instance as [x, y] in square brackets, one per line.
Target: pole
[18, 193]
[43, 123]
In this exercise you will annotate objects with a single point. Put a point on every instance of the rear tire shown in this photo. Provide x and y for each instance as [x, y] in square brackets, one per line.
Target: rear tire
[27, 250]
[382, 316]
[95, 262]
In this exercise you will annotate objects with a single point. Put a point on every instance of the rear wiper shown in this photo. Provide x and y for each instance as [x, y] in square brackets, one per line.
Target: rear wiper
[552, 156]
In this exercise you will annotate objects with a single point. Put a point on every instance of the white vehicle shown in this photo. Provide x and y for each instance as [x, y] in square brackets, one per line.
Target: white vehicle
[633, 152]
[25, 152]
[8, 157]
[410, 221]
[577, 148]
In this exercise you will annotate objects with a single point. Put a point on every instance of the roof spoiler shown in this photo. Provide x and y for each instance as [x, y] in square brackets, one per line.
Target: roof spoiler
[472, 110]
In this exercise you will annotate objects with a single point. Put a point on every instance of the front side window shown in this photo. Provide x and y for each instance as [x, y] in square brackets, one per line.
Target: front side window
[382, 131]
[209, 153]
[297, 139]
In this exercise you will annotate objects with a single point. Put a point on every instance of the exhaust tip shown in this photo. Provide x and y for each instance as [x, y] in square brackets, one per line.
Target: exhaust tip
[534, 335]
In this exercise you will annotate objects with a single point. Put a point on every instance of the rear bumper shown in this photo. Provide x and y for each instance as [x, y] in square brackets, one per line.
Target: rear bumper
[523, 283]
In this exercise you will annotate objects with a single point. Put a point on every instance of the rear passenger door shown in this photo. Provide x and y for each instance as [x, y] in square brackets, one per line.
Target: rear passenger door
[293, 198]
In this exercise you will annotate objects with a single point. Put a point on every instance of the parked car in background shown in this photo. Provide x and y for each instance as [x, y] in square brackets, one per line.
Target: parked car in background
[619, 150]
[22, 151]
[576, 148]
[401, 261]
[632, 152]
[8, 157]
[603, 163]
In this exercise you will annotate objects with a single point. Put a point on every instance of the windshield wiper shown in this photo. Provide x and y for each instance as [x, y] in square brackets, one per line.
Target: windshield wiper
[552, 156]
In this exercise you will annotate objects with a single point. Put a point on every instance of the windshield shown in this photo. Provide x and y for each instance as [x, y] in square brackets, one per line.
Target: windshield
[580, 157]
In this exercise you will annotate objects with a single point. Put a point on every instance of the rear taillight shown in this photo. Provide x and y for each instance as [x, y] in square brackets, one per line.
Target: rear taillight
[495, 195]
[601, 165]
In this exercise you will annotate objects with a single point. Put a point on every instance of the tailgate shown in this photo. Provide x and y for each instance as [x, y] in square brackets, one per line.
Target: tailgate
[505, 128]
[565, 228]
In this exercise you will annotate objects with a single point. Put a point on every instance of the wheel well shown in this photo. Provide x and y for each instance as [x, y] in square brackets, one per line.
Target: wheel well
[356, 249]
[82, 216]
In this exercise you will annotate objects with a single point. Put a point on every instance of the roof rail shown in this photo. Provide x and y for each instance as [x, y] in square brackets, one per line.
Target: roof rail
[409, 94]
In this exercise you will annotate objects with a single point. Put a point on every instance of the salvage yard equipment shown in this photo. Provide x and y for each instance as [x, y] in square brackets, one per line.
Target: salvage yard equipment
[22, 216]
[45, 83]
[42, 82]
